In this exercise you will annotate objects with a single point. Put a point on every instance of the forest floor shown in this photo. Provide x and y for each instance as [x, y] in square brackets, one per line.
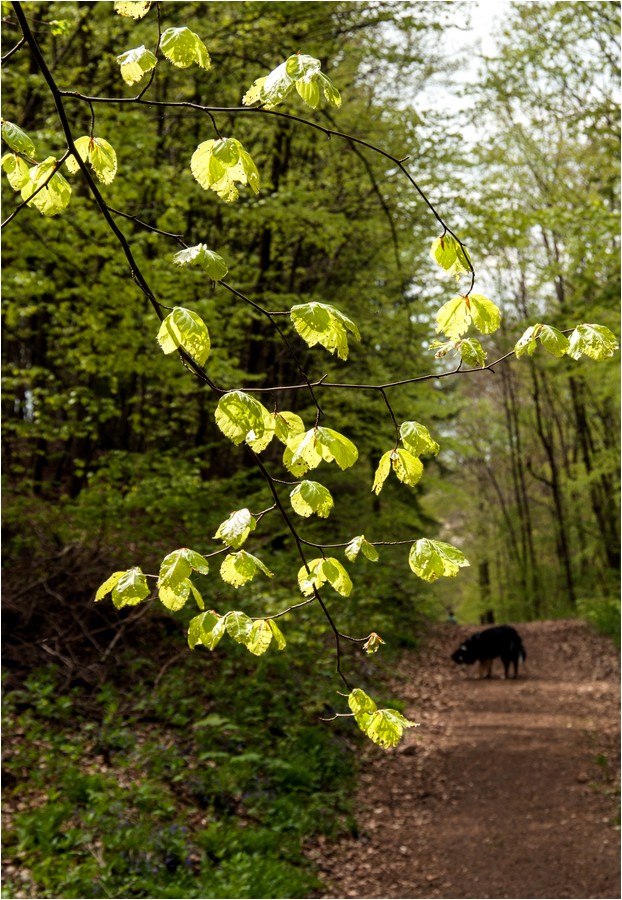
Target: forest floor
[506, 788]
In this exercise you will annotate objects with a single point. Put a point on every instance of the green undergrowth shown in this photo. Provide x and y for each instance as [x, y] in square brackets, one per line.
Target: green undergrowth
[207, 783]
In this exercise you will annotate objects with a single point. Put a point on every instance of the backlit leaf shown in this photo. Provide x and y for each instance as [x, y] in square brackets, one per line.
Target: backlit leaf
[485, 315]
[200, 628]
[186, 329]
[321, 571]
[130, 589]
[239, 568]
[200, 255]
[472, 352]
[174, 595]
[99, 154]
[372, 645]
[17, 171]
[259, 444]
[300, 71]
[311, 497]
[240, 417]
[448, 253]
[55, 196]
[383, 726]
[219, 164]
[134, 10]
[407, 467]
[136, 63]
[360, 544]
[279, 637]
[108, 585]
[17, 139]
[553, 341]
[382, 472]
[183, 48]
[259, 637]
[432, 559]
[238, 626]
[455, 316]
[595, 341]
[321, 323]
[287, 425]
[234, 531]
[417, 439]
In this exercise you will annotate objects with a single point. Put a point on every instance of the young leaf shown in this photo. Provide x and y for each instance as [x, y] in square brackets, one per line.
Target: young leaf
[320, 323]
[240, 417]
[553, 341]
[335, 446]
[99, 154]
[183, 47]
[55, 196]
[184, 328]
[595, 341]
[17, 139]
[311, 497]
[17, 171]
[287, 425]
[431, 559]
[472, 353]
[173, 595]
[200, 255]
[383, 726]
[372, 645]
[131, 8]
[259, 637]
[135, 63]
[407, 467]
[218, 164]
[360, 544]
[382, 472]
[417, 439]
[279, 637]
[179, 564]
[239, 568]
[455, 316]
[485, 314]
[234, 531]
[130, 589]
[197, 595]
[108, 585]
[200, 628]
[300, 71]
[527, 343]
[306, 451]
[324, 570]
[448, 253]
[258, 444]
[238, 626]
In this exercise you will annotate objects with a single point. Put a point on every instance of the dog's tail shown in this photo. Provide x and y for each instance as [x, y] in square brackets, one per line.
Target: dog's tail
[521, 650]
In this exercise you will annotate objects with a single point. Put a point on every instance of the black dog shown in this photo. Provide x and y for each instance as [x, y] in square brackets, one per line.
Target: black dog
[483, 647]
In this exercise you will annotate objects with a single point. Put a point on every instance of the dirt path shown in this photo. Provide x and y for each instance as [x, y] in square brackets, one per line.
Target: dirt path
[507, 789]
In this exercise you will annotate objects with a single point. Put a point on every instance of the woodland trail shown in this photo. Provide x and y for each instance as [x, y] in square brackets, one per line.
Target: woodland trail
[507, 788]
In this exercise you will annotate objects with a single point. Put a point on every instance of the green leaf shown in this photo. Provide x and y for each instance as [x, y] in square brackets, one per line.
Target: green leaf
[259, 637]
[17, 139]
[360, 544]
[99, 154]
[186, 329]
[455, 316]
[55, 196]
[136, 63]
[218, 164]
[287, 425]
[239, 568]
[130, 588]
[234, 531]
[238, 626]
[432, 559]
[595, 341]
[108, 585]
[311, 497]
[300, 71]
[527, 343]
[553, 341]
[320, 323]
[372, 645]
[260, 443]
[200, 628]
[183, 48]
[180, 564]
[321, 571]
[407, 467]
[240, 417]
[417, 439]
[383, 726]
[472, 353]
[306, 451]
[486, 315]
[382, 472]
[447, 252]
[279, 637]
[133, 10]
[174, 595]
[197, 596]
[17, 171]
[200, 255]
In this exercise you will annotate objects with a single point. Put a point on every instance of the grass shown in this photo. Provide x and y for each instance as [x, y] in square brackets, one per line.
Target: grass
[207, 785]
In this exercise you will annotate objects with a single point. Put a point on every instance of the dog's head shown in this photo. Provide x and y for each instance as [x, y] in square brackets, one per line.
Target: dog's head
[465, 654]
